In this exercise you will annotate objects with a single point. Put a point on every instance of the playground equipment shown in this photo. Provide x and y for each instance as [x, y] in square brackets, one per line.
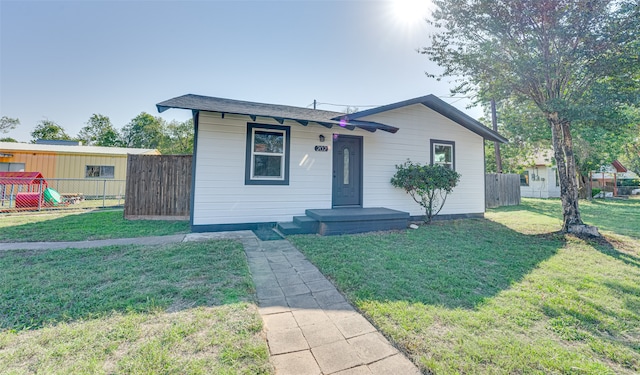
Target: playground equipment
[26, 190]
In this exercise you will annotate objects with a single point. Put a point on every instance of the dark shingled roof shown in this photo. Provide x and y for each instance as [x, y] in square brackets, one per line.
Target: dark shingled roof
[275, 111]
[325, 118]
[443, 108]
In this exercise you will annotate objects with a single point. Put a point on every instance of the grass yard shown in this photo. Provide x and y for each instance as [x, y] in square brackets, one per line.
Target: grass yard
[505, 294]
[87, 225]
[175, 309]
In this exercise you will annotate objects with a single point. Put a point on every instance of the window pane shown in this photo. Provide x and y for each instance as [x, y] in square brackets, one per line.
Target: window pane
[100, 171]
[524, 178]
[267, 166]
[442, 154]
[16, 167]
[11, 167]
[107, 171]
[266, 141]
[92, 171]
[345, 177]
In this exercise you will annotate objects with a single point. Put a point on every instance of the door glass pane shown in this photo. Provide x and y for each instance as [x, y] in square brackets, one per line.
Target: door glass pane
[345, 177]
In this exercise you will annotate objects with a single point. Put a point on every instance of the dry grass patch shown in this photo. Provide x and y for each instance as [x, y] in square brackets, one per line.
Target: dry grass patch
[175, 309]
[204, 340]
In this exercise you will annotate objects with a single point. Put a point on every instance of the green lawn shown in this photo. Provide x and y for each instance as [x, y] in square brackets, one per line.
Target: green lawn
[175, 309]
[505, 294]
[74, 226]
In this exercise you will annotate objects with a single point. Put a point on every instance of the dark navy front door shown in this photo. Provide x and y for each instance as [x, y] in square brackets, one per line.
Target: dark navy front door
[347, 171]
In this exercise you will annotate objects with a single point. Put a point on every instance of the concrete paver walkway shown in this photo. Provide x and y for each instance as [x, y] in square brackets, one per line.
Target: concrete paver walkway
[310, 327]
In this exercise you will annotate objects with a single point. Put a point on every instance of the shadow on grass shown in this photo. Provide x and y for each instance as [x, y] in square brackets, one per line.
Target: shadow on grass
[47, 287]
[617, 216]
[610, 247]
[92, 225]
[456, 264]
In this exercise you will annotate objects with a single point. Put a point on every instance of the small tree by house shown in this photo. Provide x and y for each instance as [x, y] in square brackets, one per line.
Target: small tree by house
[428, 185]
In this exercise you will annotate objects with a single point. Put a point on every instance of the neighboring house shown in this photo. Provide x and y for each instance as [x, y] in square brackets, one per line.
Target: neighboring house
[83, 164]
[257, 163]
[540, 177]
[614, 179]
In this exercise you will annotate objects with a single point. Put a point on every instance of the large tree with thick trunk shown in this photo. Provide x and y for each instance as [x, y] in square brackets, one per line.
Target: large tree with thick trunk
[551, 52]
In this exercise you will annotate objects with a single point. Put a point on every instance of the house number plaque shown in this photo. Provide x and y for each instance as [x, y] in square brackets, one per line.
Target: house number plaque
[322, 148]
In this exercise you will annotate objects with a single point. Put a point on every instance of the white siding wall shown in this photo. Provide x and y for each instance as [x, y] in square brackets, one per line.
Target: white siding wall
[418, 125]
[221, 197]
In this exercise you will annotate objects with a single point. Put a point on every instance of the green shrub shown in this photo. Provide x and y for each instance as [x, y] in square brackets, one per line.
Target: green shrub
[428, 185]
[595, 191]
[629, 182]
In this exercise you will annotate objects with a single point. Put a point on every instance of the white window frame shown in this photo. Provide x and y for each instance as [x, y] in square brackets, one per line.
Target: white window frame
[255, 153]
[451, 145]
[251, 153]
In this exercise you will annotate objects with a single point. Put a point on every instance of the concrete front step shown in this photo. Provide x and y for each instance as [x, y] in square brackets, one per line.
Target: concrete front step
[345, 220]
[290, 228]
[358, 220]
[307, 223]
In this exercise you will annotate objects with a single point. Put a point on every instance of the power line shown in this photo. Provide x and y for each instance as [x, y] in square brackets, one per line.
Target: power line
[316, 103]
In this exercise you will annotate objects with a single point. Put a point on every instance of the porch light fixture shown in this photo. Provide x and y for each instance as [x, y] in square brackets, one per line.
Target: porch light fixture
[321, 138]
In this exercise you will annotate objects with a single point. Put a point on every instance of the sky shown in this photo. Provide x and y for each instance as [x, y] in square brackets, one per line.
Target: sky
[66, 60]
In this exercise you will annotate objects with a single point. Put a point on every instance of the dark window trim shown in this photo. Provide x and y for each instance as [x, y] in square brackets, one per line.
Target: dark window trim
[287, 154]
[443, 142]
[196, 125]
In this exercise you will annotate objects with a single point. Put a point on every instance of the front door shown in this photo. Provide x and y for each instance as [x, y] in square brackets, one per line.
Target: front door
[347, 171]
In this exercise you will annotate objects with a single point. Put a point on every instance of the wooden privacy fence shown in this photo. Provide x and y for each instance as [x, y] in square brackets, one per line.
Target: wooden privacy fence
[501, 190]
[158, 187]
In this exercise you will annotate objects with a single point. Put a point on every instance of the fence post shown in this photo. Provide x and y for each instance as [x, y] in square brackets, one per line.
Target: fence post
[104, 192]
[40, 197]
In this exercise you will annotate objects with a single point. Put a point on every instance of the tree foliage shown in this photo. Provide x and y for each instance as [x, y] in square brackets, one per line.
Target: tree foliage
[99, 132]
[594, 144]
[528, 134]
[428, 185]
[144, 131]
[8, 123]
[47, 129]
[572, 59]
[178, 138]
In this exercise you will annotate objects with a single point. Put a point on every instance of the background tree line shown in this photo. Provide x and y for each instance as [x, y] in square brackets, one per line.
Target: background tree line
[143, 131]
[595, 145]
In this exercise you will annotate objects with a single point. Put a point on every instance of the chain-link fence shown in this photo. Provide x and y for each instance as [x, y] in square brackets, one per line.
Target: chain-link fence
[608, 188]
[26, 194]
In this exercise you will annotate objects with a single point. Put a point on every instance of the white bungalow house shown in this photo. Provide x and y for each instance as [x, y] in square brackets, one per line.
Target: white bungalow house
[540, 177]
[311, 170]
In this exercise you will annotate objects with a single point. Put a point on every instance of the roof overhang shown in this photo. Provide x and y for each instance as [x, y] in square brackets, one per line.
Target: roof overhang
[443, 108]
[619, 167]
[279, 113]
